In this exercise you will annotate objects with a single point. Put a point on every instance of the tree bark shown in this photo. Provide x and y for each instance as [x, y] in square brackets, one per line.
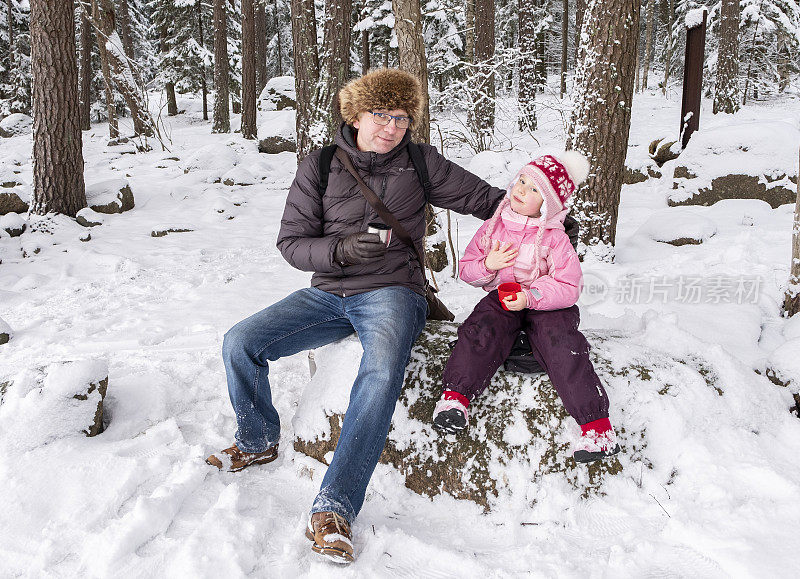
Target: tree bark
[601, 119]
[335, 68]
[85, 68]
[540, 44]
[261, 46]
[726, 95]
[108, 85]
[669, 41]
[411, 54]
[648, 51]
[124, 28]
[526, 94]
[222, 117]
[10, 35]
[249, 128]
[278, 40]
[469, 34]
[199, 6]
[564, 45]
[120, 69]
[580, 9]
[484, 104]
[791, 302]
[306, 67]
[365, 64]
[169, 86]
[58, 184]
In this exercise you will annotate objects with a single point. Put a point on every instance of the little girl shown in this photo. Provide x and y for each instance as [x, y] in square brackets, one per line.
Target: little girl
[525, 242]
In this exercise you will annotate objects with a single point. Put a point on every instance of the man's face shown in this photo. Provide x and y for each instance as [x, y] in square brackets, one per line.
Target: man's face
[374, 137]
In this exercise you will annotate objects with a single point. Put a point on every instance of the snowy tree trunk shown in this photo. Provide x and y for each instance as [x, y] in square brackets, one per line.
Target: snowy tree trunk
[484, 105]
[601, 119]
[564, 45]
[57, 154]
[526, 94]
[469, 33]
[335, 69]
[278, 41]
[111, 109]
[791, 303]
[10, 19]
[648, 51]
[580, 9]
[85, 68]
[411, 53]
[261, 46]
[541, 44]
[670, 16]
[306, 70]
[784, 66]
[203, 86]
[120, 69]
[222, 117]
[169, 86]
[124, 28]
[249, 128]
[726, 95]
[365, 61]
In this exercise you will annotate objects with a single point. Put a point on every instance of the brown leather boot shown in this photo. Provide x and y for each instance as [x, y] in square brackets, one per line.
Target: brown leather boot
[332, 537]
[233, 460]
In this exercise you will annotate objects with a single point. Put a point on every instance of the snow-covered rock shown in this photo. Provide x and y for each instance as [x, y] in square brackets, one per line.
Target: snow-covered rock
[751, 160]
[16, 124]
[238, 176]
[277, 132]
[5, 335]
[88, 217]
[278, 94]
[679, 227]
[13, 223]
[214, 157]
[519, 424]
[783, 364]
[13, 201]
[110, 196]
[44, 403]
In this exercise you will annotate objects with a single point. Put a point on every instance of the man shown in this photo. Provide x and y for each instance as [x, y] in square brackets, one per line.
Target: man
[359, 284]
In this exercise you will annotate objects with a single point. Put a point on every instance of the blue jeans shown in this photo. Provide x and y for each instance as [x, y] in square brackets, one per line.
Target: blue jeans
[387, 320]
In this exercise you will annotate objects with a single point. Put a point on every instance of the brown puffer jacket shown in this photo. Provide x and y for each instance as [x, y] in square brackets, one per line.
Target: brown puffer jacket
[313, 224]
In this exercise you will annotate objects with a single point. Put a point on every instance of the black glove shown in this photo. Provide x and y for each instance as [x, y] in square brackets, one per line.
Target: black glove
[359, 248]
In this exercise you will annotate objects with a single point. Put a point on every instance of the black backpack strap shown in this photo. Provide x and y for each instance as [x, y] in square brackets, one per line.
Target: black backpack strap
[325, 158]
[415, 152]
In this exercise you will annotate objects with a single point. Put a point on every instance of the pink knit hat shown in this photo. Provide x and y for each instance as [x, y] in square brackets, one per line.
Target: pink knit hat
[556, 178]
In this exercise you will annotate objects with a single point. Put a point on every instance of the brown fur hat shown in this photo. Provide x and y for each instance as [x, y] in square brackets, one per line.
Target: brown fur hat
[384, 88]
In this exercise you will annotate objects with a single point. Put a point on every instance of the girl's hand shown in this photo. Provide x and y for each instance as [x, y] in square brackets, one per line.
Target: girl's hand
[500, 258]
[516, 302]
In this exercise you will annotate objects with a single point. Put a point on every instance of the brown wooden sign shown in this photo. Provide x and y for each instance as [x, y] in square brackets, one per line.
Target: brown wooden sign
[692, 78]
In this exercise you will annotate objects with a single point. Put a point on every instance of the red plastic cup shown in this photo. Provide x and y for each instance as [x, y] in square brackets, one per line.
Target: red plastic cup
[510, 288]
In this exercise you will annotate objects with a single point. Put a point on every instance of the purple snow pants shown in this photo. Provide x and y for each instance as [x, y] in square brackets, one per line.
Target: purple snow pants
[485, 340]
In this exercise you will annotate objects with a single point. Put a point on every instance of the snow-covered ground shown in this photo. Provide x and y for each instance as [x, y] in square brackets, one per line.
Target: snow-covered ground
[138, 500]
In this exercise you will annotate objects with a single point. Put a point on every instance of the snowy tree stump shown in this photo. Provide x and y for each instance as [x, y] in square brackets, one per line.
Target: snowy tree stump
[42, 404]
[518, 422]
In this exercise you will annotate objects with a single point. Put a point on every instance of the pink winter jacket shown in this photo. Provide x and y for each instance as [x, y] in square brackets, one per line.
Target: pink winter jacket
[554, 285]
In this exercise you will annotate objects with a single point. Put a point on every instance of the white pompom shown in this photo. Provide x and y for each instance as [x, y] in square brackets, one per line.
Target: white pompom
[576, 165]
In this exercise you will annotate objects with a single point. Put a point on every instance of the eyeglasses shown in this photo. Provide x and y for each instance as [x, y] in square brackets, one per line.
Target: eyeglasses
[384, 119]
